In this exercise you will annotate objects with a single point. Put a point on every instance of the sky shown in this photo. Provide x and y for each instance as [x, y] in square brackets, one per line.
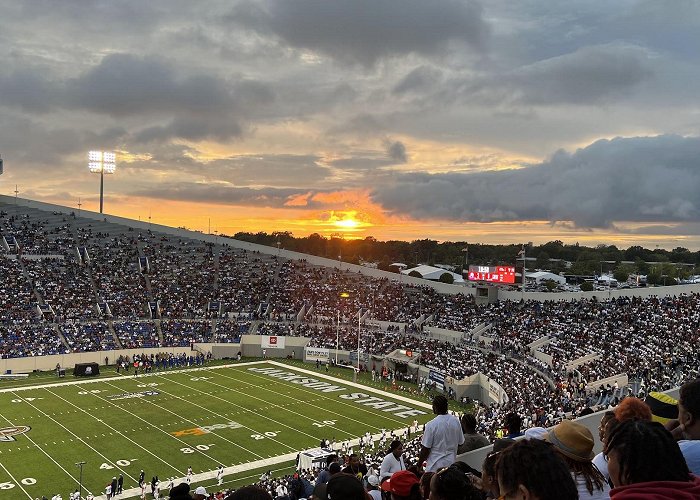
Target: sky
[487, 122]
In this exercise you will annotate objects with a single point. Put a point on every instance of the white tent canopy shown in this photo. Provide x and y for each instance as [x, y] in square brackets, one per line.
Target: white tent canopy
[540, 276]
[433, 273]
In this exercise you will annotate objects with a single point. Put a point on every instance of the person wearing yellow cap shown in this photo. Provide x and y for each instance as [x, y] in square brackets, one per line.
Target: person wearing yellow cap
[663, 407]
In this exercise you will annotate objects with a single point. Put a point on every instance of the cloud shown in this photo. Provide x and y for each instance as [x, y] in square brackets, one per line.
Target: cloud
[366, 31]
[397, 152]
[643, 179]
[221, 193]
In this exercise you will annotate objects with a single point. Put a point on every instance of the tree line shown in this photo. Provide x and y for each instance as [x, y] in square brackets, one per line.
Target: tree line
[659, 265]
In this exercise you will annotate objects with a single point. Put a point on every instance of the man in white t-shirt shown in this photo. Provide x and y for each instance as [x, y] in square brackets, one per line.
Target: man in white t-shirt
[393, 462]
[441, 437]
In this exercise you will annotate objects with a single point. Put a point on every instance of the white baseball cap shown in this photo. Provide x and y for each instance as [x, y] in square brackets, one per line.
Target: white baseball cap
[200, 491]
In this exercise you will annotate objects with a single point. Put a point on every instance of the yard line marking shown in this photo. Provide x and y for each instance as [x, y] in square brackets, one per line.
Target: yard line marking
[250, 411]
[81, 440]
[230, 403]
[282, 407]
[343, 402]
[16, 482]
[176, 438]
[117, 431]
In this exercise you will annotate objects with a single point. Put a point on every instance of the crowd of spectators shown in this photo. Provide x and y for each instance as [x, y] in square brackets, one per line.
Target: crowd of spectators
[137, 334]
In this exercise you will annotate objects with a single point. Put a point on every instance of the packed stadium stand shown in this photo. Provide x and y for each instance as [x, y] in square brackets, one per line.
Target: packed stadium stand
[82, 282]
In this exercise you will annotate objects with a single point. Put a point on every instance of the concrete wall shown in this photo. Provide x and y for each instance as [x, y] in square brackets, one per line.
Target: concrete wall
[659, 291]
[545, 358]
[43, 363]
[443, 334]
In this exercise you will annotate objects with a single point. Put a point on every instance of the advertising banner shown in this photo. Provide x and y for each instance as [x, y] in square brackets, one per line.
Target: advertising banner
[272, 342]
[438, 378]
[317, 354]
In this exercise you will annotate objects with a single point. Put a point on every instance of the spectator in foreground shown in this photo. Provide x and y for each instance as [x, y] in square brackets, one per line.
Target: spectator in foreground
[441, 437]
[575, 444]
[180, 492]
[645, 462]
[531, 469]
[472, 439]
[393, 461]
[345, 487]
[687, 427]
[452, 484]
[403, 485]
[607, 423]
[249, 493]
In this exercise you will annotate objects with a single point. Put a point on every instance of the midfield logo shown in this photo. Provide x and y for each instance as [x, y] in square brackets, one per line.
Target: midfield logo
[206, 429]
[8, 434]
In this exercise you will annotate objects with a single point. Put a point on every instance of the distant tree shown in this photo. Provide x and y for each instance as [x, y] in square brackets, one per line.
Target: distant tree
[550, 284]
[622, 272]
[641, 266]
[447, 278]
[542, 260]
[586, 286]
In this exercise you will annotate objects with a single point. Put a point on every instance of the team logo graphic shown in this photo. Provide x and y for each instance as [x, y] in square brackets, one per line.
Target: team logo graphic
[8, 434]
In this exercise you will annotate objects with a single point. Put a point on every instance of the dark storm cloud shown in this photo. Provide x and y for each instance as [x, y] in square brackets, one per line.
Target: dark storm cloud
[588, 75]
[224, 194]
[274, 170]
[420, 79]
[365, 31]
[646, 179]
[123, 84]
[372, 160]
[397, 152]
[28, 90]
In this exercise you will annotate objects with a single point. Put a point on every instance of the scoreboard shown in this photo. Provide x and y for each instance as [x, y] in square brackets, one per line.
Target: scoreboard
[492, 274]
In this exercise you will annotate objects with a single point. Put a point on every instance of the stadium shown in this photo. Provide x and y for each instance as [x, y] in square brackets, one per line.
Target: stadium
[160, 356]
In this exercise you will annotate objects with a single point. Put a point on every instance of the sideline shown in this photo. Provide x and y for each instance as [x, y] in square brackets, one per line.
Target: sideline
[120, 377]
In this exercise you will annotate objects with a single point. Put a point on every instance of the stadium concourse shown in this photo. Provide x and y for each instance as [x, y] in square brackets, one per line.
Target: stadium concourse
[84, 282]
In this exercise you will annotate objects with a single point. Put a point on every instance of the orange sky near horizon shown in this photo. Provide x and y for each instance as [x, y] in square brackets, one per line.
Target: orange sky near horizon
[363, 221]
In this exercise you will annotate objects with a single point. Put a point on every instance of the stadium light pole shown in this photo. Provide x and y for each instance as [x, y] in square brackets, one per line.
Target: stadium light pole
[80, 483]
[358, 339]
[102, 162]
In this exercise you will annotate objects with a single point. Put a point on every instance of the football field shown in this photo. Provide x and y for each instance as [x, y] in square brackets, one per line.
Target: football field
[246, 417]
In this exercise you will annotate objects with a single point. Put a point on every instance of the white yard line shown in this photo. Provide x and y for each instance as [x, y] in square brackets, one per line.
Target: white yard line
[15, 481]
[81, 440]
[146, 400]
[117, 431]
[230, 403]
[45, 453]
[355, 408]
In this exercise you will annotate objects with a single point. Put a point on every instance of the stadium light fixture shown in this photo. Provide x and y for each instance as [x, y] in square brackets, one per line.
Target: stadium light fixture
[102, 162]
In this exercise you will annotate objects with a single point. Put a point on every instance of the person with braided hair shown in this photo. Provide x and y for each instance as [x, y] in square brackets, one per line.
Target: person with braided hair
[532, 470]
[453, 484]
[645, 462]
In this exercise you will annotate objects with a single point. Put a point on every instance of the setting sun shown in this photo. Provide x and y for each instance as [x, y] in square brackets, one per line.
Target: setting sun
[347, 223]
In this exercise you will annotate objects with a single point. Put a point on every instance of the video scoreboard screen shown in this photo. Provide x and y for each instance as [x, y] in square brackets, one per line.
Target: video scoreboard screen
[492, 274]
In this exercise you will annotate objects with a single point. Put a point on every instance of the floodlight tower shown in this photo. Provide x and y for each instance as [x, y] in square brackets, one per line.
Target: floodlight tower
[102, 162]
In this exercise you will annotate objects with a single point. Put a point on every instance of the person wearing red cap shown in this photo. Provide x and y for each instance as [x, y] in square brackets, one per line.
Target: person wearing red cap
[403, 485]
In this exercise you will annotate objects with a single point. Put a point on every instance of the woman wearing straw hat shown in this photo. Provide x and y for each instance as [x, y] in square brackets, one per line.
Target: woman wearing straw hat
[574, 442]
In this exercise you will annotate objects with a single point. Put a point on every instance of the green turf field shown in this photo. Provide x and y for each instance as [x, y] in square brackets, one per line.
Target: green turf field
[247, 417]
